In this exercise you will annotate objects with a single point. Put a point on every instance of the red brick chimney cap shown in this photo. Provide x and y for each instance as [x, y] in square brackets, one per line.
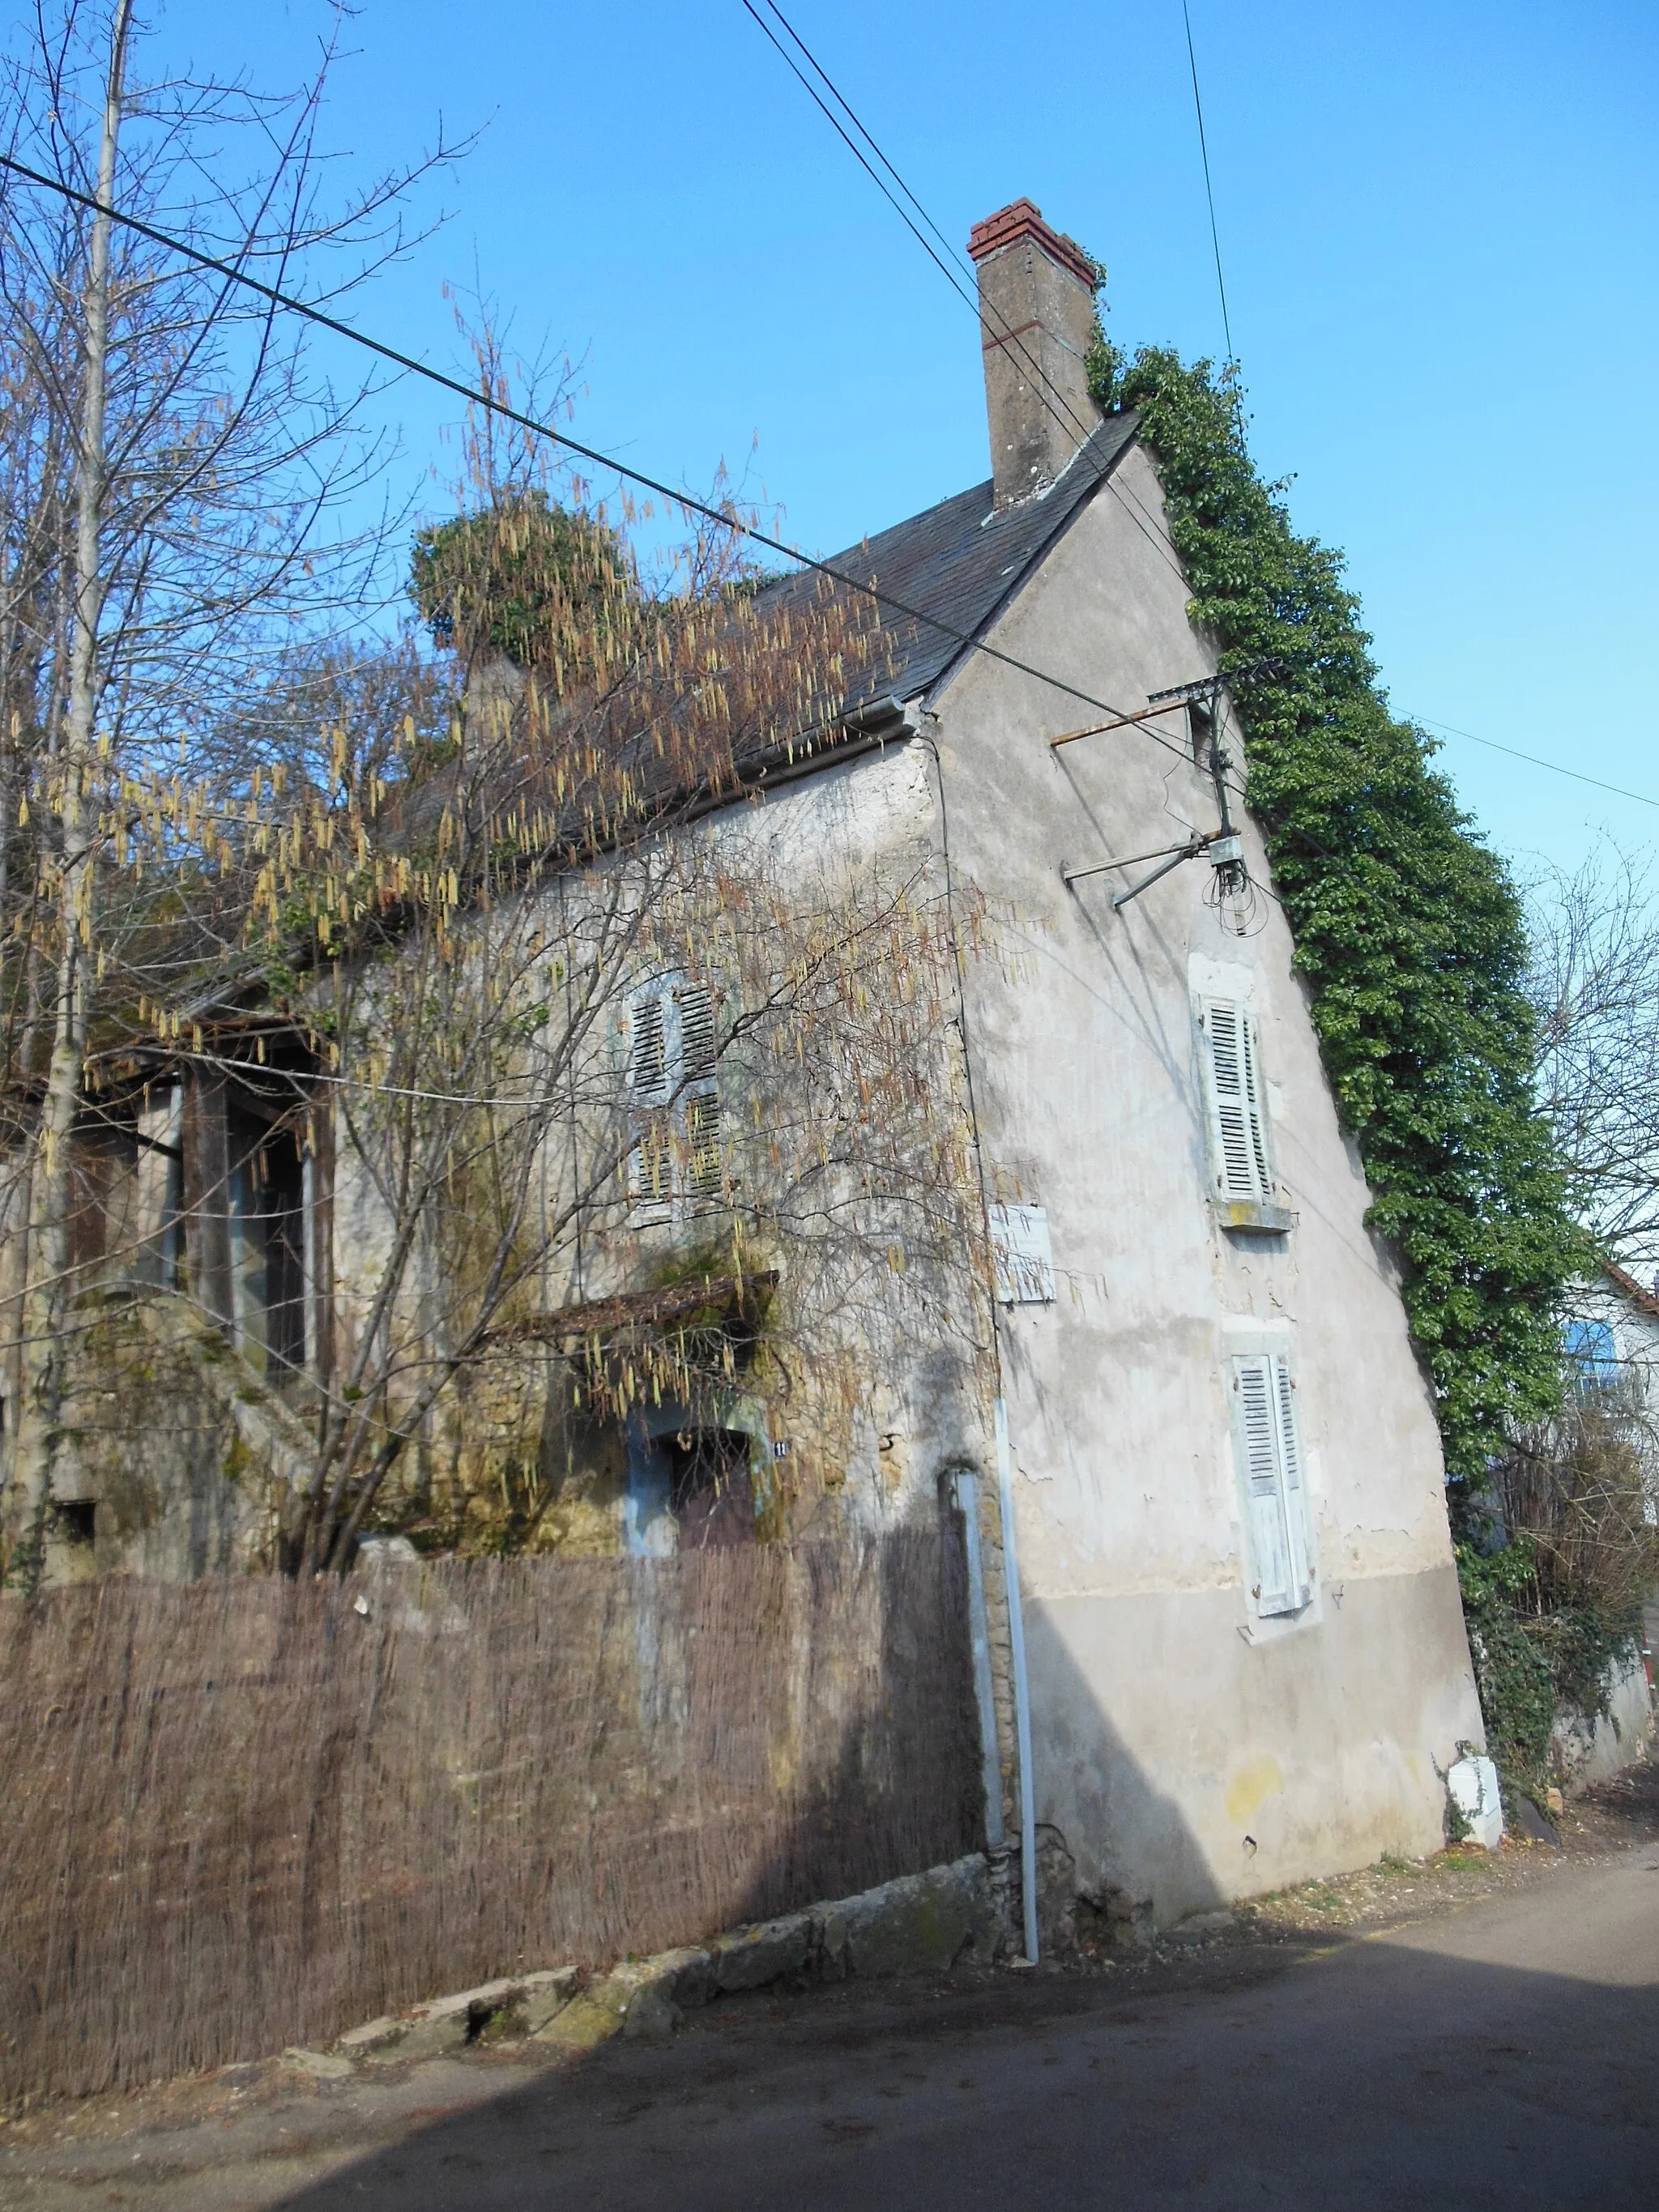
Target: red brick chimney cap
[1024, 219]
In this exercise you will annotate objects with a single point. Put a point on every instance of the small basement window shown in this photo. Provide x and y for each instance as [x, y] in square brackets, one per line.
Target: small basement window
[1200, 729]
[711, 1489]
[76, 1519]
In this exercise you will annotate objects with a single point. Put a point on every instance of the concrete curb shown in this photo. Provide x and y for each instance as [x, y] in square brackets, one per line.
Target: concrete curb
[920, 1921]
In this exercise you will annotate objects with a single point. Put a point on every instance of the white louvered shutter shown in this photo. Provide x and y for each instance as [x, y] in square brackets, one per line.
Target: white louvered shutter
[1241, 1160]
[1270, 1448]
[1289, 1447]
[699, 1086]
[651, 1164]
[673, 1094]
[698, 1048]
[650, 1152]
[1255, 1102]
[647, 1046]
[705, 1175]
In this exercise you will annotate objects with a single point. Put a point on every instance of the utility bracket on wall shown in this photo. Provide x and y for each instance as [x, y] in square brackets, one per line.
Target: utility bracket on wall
[1224, 846]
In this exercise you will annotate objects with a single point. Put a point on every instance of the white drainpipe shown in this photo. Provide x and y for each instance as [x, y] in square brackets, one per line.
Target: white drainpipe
[1022, 1687]
[979, 1636]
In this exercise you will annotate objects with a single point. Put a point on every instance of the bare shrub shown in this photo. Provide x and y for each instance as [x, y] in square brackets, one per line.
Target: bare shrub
[1577, 1490]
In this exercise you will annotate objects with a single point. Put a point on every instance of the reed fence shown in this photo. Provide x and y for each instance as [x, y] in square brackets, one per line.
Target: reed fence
[244, 1813]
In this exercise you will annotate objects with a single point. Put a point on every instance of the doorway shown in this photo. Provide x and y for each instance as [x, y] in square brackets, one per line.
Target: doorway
[711, 1488]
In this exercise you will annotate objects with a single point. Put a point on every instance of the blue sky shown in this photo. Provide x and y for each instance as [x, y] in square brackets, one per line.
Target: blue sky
[1438, 230]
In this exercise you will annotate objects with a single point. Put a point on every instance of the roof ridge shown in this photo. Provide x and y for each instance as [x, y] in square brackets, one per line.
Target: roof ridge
[957, 564]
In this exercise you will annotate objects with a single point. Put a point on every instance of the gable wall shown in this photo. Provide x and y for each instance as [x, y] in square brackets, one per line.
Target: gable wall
[1186, 1750]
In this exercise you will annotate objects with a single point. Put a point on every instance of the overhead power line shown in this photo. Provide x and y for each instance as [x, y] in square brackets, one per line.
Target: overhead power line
[1534, 761]
[1209, 190]
[948, 259]
[477, 398]
[947, 263]
[957, 270]
[951, 251]
[959, 274]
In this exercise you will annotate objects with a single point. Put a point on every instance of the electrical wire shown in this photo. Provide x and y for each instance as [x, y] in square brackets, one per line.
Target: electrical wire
[945, 266]
[1048, 393]
[475, 397]
[1533, 760]
[1209, 190]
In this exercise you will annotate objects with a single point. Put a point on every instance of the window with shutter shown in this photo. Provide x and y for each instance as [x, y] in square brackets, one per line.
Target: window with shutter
[647, 1065]
[674, 1156]
[1240, 1154]
[705, 1176]
[1270, 1454]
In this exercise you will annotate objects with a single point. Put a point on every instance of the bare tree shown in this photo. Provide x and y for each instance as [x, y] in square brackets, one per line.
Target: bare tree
[1580, 1492]
[577, 1009]
[191, 478]
[1596, 985]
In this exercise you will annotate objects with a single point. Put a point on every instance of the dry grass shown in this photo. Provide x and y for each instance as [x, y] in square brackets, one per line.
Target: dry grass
[245, 1813]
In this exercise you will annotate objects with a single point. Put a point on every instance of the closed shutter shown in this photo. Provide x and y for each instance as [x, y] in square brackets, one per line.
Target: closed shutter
[1255, 1108]
[674, 1056]
[650, 1154]
[648, 1055]
[1241, 1161]
[698, 1048]
[699, 1091]
[651, 1163]
[704, 1173]
[1271, 1451]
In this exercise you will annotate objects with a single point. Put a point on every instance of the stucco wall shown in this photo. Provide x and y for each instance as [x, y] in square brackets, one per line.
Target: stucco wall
[871, 1396]
[1587, 1752]
[1171, 1725]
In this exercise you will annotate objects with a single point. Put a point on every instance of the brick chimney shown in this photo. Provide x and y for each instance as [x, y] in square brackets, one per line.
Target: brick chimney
[1036, 307]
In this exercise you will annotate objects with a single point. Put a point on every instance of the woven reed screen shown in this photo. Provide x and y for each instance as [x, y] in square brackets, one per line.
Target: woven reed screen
[243, 1813]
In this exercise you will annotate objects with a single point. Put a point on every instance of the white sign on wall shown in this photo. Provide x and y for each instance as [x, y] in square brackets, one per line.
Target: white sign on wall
[1025, 1259]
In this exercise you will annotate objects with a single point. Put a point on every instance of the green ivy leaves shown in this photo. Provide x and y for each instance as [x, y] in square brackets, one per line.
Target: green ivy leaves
[1408, 928]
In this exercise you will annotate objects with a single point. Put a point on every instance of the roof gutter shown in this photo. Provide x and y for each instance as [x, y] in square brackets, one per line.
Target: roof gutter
[868, 729]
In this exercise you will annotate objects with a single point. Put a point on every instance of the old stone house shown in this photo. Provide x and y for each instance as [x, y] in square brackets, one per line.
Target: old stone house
[1219, 1644]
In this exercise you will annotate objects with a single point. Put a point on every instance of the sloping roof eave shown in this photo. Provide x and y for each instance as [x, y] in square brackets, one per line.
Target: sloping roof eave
[1062, 522]
[944, 575]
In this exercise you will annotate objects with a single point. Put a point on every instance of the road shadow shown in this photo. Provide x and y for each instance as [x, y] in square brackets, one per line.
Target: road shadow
[1405, 2071]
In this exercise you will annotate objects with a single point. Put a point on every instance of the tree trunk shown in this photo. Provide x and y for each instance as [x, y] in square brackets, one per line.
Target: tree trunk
[50, 1189]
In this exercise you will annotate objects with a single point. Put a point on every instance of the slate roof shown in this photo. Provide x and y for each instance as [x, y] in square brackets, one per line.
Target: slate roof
[960, 564]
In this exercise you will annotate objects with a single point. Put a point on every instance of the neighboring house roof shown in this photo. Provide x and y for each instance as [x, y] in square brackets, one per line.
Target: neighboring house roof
[1632, 1289]
[960, 562]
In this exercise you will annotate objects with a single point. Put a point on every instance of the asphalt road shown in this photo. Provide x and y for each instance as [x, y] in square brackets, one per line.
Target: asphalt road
[1508, 2054]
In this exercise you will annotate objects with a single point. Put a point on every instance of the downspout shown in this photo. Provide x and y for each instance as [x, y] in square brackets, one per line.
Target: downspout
[1022, 1687]
[965, 1487]
[1005, 1465]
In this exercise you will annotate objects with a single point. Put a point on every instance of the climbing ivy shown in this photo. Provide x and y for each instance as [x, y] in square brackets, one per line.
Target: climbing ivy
[521, 577]
[1408, 928]
[1533, 1661]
